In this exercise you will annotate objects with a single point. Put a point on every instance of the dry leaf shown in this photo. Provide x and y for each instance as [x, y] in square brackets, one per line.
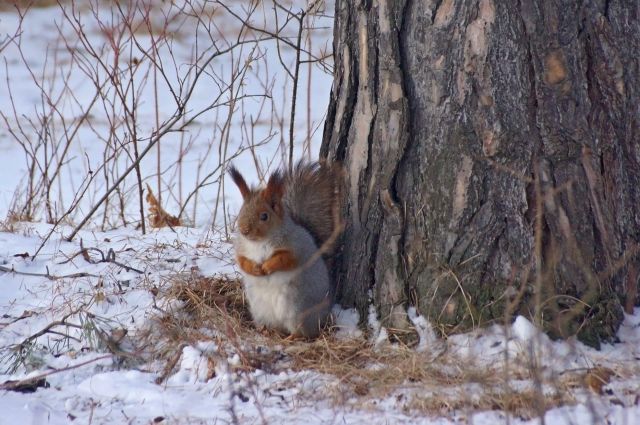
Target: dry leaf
[100, 297]
[211, 371]
[157, 216]
[597, 378]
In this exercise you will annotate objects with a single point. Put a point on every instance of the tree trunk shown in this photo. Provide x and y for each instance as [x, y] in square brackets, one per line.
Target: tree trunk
[493, 163]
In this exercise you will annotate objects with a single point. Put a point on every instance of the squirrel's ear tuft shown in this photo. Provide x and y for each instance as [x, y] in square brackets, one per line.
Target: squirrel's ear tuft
[274, 191]
[239, 181]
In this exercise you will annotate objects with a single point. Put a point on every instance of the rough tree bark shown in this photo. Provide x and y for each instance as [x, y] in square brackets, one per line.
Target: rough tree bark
[493, 162]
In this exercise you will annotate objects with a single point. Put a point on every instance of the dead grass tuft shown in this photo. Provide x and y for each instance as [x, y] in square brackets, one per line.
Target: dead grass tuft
[206, 309]
[9, 223]
[213, 300]
[521, 404]
[214, 309]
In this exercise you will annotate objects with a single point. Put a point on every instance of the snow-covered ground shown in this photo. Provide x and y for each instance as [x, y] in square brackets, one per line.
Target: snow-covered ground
[89, 382]
[82, 321]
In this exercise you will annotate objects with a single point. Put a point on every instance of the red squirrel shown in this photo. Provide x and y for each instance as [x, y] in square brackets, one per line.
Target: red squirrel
[280, 228]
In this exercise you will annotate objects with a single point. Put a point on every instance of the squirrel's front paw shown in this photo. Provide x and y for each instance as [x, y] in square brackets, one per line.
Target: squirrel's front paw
[257, 270]
[266, 270]
[281, 260]
[250, 267]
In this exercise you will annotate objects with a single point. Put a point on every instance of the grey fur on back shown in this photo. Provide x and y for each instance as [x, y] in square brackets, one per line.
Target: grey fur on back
[311, 197]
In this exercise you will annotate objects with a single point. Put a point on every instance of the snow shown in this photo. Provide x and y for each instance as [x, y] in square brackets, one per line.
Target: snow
[428, 338]
[106, 391]
[346, 323]
[114, 293]
[379, 335]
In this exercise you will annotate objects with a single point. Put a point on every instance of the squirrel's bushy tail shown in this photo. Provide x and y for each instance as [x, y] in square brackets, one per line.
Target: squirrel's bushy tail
[312, 196]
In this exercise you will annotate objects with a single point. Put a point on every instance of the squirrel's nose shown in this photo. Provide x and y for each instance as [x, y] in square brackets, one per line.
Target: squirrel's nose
[244, 230]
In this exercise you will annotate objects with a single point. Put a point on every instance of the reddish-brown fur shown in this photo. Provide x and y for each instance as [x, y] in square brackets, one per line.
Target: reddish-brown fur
[281, 260]
[257, 202]
[240, 182]
[249, 266]
[273, 193]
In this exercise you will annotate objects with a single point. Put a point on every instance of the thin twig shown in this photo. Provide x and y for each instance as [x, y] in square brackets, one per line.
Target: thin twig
[47, 274]
[12, 385]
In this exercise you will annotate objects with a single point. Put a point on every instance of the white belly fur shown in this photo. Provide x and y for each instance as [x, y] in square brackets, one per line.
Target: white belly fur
[269, 296]
[270, 299]
[257, 252]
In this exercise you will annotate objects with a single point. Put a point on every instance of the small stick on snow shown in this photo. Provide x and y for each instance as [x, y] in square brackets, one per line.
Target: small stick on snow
[47, 274]
[11, 385]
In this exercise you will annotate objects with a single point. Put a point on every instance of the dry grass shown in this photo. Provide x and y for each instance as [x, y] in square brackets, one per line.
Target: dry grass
[205, 304]
[522, 404]
[214, 309]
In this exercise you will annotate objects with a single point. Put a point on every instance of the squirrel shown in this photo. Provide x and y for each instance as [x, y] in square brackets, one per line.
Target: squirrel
[280, 230]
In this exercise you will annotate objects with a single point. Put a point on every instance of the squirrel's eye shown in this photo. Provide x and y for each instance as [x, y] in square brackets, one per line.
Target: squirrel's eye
[264, 216]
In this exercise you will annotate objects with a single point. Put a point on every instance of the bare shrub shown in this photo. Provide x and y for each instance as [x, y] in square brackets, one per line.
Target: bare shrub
[142, 68]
